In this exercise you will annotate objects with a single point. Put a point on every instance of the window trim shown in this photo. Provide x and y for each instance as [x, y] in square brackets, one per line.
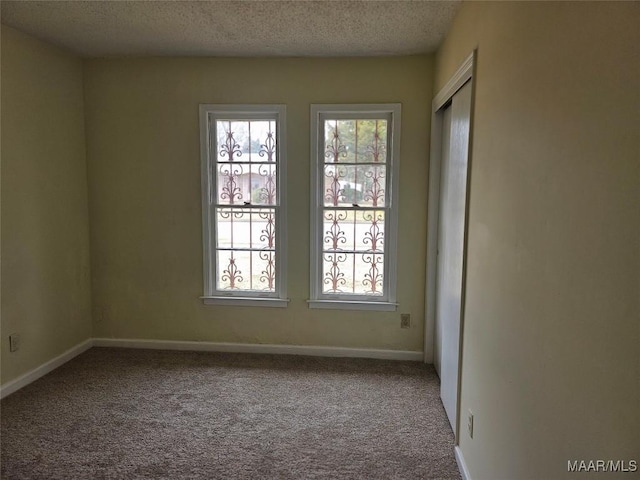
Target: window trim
[346, 301]
[211, 296]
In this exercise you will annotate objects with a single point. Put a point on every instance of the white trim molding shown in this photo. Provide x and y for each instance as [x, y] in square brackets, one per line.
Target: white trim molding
[320, 113]
[462, 466]
[38, 372]
[310, 350]
[462, 76]
[248, 295]
[346, 305]
[247, 301]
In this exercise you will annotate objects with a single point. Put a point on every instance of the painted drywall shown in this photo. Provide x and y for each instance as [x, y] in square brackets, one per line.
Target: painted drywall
[550, 362]
[145, 205]
[46, 296]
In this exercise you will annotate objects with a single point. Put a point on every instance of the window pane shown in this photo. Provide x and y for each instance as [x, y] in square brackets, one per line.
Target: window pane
[233, 183]
[232, 140]
[357, 231]
[369, 231]
[245, 249]
[352, 185]
[246, 141]
[246, 270]
[253, 180]
[263, 184]
[355, 141]
[369, 272]
[264, 272]
[340, 141]
[263, 140]
[337, 273]
[372, 141]
[338, 231]
[245, 228]
[239, 184]
[352, 273]
[233, 270]
[263, 229]
[373, 185]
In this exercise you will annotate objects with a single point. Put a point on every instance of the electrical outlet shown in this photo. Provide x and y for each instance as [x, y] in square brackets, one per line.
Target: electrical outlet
[14, 342]
[405, 320]
[470, 423]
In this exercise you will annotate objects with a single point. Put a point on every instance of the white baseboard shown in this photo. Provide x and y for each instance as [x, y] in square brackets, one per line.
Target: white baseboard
[461, 465]
[260, 348]
[42, 370]
[31, 376]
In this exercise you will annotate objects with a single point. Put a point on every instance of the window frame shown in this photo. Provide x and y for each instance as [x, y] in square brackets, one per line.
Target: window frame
[209, 114]
[319, 112]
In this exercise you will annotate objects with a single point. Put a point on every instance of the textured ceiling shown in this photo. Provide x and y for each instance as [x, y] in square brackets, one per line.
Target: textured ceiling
[235, 28]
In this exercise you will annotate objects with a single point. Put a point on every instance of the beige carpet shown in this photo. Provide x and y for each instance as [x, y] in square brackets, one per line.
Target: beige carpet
[122, 414]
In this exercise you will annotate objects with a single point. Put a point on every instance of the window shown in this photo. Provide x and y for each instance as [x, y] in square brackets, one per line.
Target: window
[243, 204]
[354, 203]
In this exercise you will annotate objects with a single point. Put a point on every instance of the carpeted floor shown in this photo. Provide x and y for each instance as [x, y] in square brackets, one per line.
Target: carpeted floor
[118, 413]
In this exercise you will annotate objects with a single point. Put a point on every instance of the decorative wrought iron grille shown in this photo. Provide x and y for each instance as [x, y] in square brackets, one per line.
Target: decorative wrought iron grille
[354, 167]
[245, 204]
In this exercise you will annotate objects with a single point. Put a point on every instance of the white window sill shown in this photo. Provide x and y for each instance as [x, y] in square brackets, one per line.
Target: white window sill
[247, 301]
[353, 305]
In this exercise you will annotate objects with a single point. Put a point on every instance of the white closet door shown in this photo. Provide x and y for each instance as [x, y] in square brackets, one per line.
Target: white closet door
[451, 233]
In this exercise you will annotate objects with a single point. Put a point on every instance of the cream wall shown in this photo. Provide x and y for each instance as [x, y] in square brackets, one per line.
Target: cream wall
[144, 179]
[551, 356]
[45, 228]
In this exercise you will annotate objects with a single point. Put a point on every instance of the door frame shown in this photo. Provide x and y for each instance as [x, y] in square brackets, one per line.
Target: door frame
[464, 74]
